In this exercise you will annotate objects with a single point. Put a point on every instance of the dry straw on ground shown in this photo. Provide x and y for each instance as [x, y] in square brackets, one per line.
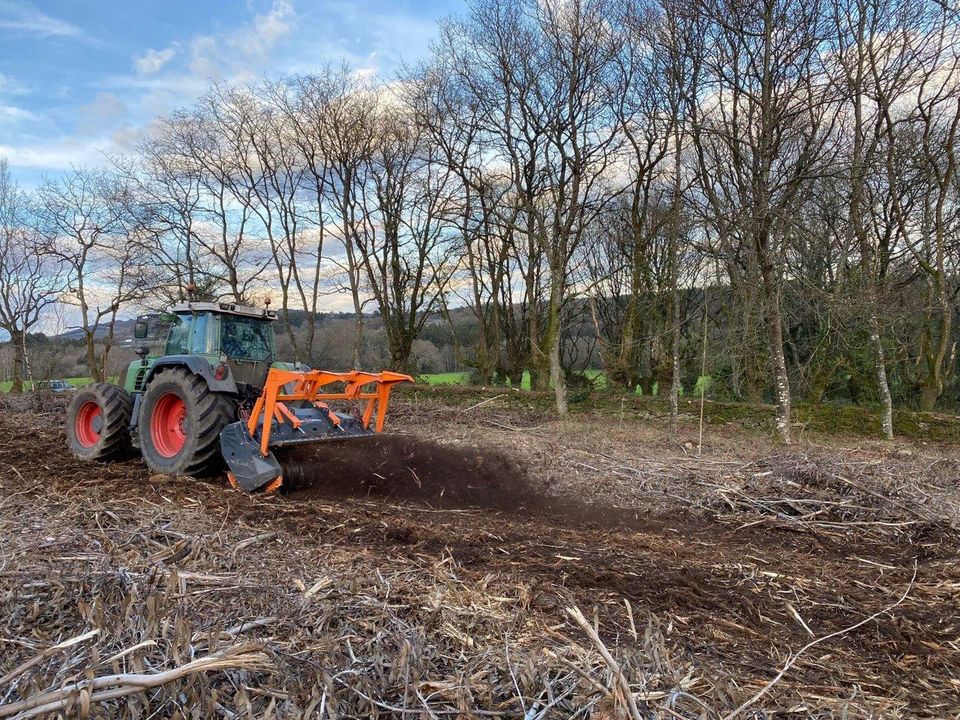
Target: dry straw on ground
[125, 595]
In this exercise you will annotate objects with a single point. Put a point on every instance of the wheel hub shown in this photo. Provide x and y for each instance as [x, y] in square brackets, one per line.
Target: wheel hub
[169, 426]
[89, 424]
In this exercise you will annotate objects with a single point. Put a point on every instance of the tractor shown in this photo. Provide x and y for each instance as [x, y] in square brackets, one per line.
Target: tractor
[218, 395]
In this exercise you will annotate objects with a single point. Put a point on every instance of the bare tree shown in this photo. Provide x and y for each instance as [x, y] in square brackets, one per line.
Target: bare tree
[490, 56]
[404, 249]
[443, 104]
[209, 144]
[291, 218]
[928, 120]
[763, 128]
[334, 115]
[30, 278]
[91, 225]
[864, 29]
[646, 126]
[544, 79]
[168, 195]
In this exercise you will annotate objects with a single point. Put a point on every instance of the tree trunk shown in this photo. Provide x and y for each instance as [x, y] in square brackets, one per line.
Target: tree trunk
[861, 162]
[401, 348]
[778, 362]
[96, 373]
[105, 358]
[886, 417]
[484, 364]
[675, 358]
[674, 252]
[16, 341]
[551, 371]
[933, 383]
[556, 375]
[540, 357]
[358, 340]
[288, 327]
[743, 314]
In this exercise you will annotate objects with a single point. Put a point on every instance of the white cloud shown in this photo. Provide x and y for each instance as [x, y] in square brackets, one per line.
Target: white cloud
[265, 30]
[153, 61]
[101, 114]
[9, 86]
[54, 153]
[236, 54]
[365, 74]
[24, 18]
[13, 114]
[205, 56]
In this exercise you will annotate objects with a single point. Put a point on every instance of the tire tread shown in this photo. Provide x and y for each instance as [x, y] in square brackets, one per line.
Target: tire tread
[116, 407]
[212, 412]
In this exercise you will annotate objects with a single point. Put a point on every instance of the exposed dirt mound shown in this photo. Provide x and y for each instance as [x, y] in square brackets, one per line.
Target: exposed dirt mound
[41, 402]
[406, 467]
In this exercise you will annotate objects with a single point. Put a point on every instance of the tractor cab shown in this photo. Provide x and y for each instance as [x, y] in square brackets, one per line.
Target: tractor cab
[236, 337]
[241, 333]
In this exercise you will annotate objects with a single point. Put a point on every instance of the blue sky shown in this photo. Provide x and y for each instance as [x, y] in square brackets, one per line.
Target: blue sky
[81, 77]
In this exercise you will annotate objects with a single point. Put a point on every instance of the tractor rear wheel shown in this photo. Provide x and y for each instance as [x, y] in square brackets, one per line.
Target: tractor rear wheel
[180, 424]
[98, 422]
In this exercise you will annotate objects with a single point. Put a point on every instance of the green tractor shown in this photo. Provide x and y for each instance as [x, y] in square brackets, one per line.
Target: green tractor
[218, 395]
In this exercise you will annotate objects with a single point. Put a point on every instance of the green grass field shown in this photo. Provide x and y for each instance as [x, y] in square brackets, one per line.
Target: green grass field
[463, 378]
[449, 378]
[75, 381]
[597, 376]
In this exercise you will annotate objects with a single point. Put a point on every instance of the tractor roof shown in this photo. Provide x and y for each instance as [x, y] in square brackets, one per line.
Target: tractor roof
[225, 308]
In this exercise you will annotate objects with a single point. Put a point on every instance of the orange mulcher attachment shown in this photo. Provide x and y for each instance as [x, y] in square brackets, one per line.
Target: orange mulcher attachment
[292, 410]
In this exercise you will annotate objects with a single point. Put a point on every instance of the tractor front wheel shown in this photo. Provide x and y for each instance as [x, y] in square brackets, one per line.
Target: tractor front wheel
[98, 422]
[180, 424]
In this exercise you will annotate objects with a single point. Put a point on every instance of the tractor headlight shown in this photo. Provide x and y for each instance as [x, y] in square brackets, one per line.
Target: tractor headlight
[220, 372]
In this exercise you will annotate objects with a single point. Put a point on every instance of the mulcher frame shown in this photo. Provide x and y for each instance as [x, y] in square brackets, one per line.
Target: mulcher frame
[286, 386]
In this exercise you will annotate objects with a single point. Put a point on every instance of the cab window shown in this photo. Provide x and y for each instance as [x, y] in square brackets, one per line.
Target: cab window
[178, 336]
[246, 338]
[203, 335]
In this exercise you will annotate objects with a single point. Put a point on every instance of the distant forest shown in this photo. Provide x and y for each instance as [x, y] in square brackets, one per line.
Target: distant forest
[822, 364]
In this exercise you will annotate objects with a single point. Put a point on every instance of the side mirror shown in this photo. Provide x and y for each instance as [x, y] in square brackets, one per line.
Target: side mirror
[140, 329]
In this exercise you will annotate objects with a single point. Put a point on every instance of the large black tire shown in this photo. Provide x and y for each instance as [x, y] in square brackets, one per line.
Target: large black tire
[98, 422]
[180, 424]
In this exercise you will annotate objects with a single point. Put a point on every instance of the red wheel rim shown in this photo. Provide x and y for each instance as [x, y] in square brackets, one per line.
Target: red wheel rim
[88, 424]
[166, 425]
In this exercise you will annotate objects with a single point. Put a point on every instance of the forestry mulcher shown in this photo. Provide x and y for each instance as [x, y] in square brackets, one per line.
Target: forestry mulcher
[218, 395]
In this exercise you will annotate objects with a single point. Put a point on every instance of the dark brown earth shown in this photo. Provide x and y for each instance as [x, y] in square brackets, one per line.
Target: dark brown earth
[403, 467]
[712, 569]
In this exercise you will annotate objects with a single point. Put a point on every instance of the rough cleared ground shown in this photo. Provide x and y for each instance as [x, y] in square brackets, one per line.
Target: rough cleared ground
[519, 567]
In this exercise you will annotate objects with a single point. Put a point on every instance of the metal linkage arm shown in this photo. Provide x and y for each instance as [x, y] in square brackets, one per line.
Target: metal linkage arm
[311, 386]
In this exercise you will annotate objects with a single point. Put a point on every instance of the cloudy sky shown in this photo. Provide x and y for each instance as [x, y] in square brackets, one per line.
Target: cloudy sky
[80, 77]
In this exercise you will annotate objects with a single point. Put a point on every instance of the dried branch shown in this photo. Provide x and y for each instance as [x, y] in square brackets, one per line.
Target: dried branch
[813, 643]
[248, 656]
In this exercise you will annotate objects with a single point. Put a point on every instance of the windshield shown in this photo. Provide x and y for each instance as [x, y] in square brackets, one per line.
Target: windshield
[178, 336]
[246, 338]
